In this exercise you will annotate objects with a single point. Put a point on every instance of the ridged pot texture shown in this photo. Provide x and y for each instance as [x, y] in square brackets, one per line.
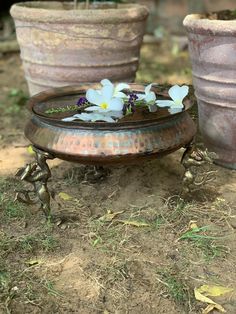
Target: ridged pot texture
[212, 46]
[61, 46]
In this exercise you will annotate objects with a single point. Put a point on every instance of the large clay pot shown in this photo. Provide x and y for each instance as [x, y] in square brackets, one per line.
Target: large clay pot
[61, 46]
[213, 5]
[212, 46]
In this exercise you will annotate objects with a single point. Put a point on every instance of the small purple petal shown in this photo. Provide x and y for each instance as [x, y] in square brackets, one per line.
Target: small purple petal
[82, 101]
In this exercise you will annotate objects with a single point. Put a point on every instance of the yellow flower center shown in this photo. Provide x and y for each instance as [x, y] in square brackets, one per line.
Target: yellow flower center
[178, 102]
[104, 105]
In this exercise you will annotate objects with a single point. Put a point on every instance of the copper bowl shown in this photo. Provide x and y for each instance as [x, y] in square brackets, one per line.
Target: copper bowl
[101, 143]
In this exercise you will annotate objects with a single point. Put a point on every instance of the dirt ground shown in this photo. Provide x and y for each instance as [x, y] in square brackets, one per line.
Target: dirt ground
[124, 244]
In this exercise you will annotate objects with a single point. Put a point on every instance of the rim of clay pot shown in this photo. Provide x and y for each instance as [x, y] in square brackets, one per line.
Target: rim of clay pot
[200, 24]
[64, 12]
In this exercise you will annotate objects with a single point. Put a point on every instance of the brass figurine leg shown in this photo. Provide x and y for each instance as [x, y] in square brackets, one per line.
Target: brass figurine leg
[193, 158]
[37, 173]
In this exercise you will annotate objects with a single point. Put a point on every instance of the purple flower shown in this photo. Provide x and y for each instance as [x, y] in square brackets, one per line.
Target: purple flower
[82, 101]
[133, 97]
[131, 102]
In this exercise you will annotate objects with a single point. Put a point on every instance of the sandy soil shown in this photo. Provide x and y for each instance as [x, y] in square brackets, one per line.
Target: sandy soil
[90, 261]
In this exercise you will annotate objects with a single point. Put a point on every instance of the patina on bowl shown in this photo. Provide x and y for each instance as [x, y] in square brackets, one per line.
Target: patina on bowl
[101, 143]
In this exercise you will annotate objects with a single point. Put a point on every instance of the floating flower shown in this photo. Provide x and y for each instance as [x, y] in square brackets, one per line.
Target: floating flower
[149, 95]
[104, 100]
[177, 94]
[110, 104]
[117, 89]
[93, 117]
[174, 110]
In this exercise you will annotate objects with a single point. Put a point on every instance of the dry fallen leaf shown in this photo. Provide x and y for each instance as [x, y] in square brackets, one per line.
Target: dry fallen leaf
[134, 223]
[200, 297]
[214, 291]
[33, 262]
[64, 196]
[109, 216]
[212, 307]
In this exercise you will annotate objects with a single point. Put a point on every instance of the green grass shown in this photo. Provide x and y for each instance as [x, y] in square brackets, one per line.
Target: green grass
[4, 280]
[12, 209]
[50, 287]
[27, 243]
[106, 236]
[210, 249]
[207, 244]
[31, 243]
[6, 292]
[159, 221]
[177, 209]
[9, 207]
[16, 100]
[176, 288]
[23, 286]
[7, 245]
[19, 282]
[9, 183]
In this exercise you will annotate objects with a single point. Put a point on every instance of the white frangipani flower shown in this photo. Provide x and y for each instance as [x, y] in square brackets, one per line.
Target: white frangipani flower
[93, 117]
[174, 110]
[177, 94]
[117, 88]
[104, 100]
[149, 95]
[108, 102]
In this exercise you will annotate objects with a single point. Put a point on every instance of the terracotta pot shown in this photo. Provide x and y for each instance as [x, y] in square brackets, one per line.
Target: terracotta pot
[213, 5]
[212, 46]
[62, 46]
